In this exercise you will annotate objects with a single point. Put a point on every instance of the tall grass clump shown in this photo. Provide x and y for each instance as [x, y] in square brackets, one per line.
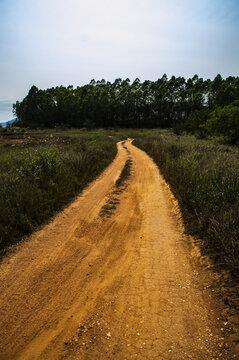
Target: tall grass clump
[205, 179]
[41, 175]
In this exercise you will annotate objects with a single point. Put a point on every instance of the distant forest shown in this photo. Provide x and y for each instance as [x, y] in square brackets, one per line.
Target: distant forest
[202, 107]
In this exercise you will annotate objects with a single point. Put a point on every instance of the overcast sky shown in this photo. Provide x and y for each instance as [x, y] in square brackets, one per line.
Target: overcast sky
[61, 42]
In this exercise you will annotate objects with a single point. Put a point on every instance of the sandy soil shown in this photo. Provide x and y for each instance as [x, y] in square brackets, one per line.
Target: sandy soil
[120, 286]
[11, 141]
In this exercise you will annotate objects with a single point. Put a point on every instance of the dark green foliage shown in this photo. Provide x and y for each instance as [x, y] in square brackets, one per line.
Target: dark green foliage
[225, 122]
[205, 179]
[39, 177]
[182, 104]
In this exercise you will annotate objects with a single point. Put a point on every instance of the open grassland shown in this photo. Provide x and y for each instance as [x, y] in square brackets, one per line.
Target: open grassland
[41, 171]
[205, 179]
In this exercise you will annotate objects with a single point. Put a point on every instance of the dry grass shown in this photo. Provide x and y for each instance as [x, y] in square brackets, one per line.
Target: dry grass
[205, 179]
[41, 175]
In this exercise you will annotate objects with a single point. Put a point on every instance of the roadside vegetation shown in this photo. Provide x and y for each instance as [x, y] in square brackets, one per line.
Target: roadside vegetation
[199, 158]
[41, 171]
[204, 177]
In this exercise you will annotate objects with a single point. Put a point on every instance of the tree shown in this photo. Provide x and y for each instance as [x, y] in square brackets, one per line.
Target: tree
[225, 121]
[184, 104]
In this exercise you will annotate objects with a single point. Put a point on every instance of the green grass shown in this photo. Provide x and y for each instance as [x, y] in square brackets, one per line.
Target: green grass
[205, 179]
[41, 175]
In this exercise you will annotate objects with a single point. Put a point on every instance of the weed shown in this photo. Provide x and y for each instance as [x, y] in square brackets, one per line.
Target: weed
[205, 179]
[40, 176]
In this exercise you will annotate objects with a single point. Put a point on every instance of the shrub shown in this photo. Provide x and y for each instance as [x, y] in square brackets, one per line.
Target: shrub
[205, 179]
[224, 122]
[41, 176]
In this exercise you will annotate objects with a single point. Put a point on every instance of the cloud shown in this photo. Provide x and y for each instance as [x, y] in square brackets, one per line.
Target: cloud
[48, 43]
[5, 105]
[5, 110]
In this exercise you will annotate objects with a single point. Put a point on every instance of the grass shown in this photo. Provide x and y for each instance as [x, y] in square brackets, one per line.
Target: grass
[120, 186]
[43, 172]
[205, 179]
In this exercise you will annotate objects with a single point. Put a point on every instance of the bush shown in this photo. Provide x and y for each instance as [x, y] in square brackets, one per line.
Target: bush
[41, 176]
[224, 122]
[205, 179]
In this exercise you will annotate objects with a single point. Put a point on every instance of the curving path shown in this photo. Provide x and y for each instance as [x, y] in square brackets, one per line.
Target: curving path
[119, 286]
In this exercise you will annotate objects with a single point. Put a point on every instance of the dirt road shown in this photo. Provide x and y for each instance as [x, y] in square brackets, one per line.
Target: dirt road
[122, 285]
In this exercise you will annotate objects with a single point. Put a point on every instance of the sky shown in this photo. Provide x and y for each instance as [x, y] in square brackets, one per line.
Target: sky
[69, 42]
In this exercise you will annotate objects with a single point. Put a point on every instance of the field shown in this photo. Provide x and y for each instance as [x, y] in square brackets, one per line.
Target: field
[204, 177]
[113, 275]
[41, 171]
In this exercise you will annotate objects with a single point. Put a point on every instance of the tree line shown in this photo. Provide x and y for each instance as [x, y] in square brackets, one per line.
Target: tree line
[193, 105]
